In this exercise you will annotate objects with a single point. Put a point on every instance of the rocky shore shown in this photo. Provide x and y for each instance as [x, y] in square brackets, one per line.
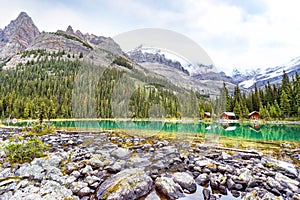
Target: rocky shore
[117, 166]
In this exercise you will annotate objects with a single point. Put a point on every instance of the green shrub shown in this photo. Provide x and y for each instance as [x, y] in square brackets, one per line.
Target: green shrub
[71, 37]
[41, 129]
[123, 62]
[25, 151]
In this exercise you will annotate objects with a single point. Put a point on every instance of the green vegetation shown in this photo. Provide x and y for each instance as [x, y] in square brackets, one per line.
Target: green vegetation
[41, 129]
[273, 102]
[35, 53]
[50, 87]
[41, 89]
[21, 150]
[54, 88]
[104, 92]
[154, 102]
[3, 63]
[40, 53]
[25, 151]
[123, 62]
[72, 37]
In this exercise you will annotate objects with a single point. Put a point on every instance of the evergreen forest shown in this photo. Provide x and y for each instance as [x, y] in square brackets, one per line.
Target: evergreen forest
[51, 87]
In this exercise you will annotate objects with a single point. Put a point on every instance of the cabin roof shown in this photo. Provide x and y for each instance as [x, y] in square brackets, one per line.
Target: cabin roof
[207, 113]
[253, 113]
[229, 114]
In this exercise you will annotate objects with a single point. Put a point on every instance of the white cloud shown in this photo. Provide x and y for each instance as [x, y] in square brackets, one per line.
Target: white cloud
[243, 34]
[235, 37]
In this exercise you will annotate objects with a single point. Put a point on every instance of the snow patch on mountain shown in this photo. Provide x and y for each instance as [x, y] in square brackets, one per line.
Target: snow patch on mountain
[248, 83]
[168, 54]
[192, 68]
[272, 74]
[293, 62]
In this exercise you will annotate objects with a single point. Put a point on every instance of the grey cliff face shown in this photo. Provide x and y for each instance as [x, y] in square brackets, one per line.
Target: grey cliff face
[70, 30]
[140, 57]
[18, 35]
[101, 42]
[22, 34]
[53, 42]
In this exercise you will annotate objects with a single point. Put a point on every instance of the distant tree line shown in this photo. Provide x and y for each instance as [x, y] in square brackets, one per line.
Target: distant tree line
[272, 101]
[46, 88]
[38, 88]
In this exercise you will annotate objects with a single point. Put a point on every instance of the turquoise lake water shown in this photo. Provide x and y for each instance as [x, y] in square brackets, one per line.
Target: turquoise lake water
[274, 140]
[282, 132]
[271, 139]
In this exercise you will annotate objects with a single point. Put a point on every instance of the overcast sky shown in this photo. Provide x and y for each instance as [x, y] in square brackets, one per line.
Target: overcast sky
[243, 34]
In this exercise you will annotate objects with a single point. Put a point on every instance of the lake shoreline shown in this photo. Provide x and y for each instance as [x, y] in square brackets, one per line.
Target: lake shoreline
[188, 120]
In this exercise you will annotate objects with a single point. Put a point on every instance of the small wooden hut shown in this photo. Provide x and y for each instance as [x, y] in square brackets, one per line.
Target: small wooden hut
[228, 115]
[207, 115]
[254, 115]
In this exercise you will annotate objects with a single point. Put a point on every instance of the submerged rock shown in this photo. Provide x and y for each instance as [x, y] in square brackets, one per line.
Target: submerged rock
[127, 184]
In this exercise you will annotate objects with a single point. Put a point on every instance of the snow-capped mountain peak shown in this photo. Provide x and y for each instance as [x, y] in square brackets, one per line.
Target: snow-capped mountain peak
[293, 62]
[193, 69]
[271, 74]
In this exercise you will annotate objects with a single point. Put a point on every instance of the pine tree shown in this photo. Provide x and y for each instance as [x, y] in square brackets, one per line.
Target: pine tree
[286, 85]
[273, 112]
[228, 99]
[256, 100]
[269, 94]
[245, 110]
[264, 113]
[284, 104]
[42, 112]
[237, 94]
[26, 111]
[295, 97]
[237, 110]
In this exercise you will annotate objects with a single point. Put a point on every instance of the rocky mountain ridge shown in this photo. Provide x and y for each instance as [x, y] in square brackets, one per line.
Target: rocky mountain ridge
[89, 47]
[245, 80]
[143, 57]
[261, 77]
[17, 36]
[22, 34]
[106, 43]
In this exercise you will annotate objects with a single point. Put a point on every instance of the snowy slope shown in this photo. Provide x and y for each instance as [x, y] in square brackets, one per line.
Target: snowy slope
[192, 68]
[272, 75]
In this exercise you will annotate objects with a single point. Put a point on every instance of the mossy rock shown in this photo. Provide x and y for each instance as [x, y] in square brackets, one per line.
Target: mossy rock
[127, 184]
